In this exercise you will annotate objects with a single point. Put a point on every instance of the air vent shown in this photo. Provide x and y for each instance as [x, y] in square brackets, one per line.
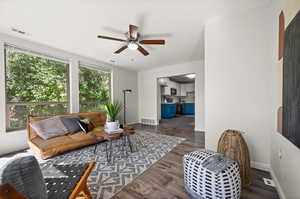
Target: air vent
[148, 122]
[18, 31]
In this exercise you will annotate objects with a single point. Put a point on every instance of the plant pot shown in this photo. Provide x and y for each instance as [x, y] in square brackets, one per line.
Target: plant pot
[111, 126]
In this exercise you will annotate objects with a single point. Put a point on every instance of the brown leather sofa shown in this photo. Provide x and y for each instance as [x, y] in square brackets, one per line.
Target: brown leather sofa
[57, 145]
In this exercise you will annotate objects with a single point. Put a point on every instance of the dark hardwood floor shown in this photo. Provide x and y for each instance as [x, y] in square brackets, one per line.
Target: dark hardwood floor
[165, 178]
[180, 121]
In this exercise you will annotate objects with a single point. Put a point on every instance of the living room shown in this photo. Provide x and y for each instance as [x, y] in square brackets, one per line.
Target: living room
[97, 65]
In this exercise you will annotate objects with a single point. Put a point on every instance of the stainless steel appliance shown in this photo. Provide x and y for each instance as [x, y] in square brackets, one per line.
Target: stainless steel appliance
[173, 91]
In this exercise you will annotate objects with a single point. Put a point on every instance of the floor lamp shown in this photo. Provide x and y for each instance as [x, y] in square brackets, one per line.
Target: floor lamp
[124, 93]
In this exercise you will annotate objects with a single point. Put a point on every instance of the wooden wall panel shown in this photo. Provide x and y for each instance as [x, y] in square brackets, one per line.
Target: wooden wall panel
[281, 35]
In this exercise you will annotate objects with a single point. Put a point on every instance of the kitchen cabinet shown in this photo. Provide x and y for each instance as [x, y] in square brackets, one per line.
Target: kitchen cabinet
[166, 91]
[167, 84]
[168, 111]
[182, 89]
[188, 108]
[185, 88]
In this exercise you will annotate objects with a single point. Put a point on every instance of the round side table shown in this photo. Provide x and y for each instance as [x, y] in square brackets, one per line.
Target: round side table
[109, 141]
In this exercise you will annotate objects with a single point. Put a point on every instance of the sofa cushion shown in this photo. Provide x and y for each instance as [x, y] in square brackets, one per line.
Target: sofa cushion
[57, 145]
[67, 142]
[71, 123]
[98, 118]
[49, 128]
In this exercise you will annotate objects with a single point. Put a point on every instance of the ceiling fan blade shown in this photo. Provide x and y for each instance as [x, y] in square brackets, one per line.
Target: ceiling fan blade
[110, 38]
[143, 51]
[133, 30]
[121, 49]
[159, 42]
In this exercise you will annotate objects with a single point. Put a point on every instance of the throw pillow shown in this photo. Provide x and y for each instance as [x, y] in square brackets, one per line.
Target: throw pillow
[89, 123]
[86, 125]
[71, 123]
[83, 126]
[49, 128]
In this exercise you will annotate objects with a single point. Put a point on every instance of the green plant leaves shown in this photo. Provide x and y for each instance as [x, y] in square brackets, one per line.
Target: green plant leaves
[113, 109]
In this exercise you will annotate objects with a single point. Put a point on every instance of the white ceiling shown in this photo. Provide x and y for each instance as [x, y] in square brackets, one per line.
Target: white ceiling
[73, 25]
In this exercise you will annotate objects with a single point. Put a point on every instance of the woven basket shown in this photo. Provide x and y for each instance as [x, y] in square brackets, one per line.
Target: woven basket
[233, 145]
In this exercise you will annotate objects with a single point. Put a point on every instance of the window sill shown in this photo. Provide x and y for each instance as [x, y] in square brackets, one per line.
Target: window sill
[16, 131]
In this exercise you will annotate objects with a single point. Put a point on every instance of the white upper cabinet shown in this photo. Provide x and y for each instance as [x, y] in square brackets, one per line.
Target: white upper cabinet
[166, 90]
[190, 87]
[184, 88]
[168, 85]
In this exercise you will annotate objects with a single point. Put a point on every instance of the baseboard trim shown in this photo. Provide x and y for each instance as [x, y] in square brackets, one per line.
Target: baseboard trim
[133, 123]
[260, 166]
[200, 130]
[278, 187]
[267, 167]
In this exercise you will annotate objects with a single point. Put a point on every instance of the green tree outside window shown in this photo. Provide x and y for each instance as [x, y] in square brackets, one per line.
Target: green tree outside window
[34, 85]
[94, 89]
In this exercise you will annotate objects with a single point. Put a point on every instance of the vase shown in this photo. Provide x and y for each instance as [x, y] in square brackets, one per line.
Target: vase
[112, 126]
[233, 145]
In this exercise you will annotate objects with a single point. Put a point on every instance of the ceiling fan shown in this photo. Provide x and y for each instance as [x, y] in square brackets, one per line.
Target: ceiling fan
[133, 41]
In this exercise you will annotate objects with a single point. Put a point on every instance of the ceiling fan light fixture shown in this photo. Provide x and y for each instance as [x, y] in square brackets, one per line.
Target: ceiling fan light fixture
[132, 46]
[133, 41]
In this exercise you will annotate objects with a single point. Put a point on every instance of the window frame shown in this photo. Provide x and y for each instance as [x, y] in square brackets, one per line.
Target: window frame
[41, 55]
[98, 69]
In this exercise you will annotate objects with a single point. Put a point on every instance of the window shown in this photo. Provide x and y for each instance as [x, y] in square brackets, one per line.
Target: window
[35, 84]
[94, 88]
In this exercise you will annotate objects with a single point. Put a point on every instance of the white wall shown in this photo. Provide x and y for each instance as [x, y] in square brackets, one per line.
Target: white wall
[122, 78]
[239, 81]
[285, 169]
[147, 84]
[242, 76]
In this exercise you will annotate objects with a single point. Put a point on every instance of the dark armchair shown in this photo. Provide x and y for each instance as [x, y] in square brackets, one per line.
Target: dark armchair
[22, 178]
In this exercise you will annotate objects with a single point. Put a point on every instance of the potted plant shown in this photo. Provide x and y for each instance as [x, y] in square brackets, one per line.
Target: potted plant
[113, 109]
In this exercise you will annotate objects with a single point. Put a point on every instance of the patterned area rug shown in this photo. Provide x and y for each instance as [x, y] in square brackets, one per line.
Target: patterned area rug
[108, 178]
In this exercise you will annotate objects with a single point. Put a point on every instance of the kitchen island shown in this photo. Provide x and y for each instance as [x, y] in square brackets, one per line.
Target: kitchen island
[168, 110]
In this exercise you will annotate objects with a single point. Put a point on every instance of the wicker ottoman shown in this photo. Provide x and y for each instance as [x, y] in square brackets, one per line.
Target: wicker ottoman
[210, 175]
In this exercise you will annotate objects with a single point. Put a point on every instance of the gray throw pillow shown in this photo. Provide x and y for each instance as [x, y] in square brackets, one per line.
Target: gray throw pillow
[71, 123]
[49, 128]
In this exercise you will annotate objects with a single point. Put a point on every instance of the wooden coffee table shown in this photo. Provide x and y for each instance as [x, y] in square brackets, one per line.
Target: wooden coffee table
[109, 141]
[110, 138]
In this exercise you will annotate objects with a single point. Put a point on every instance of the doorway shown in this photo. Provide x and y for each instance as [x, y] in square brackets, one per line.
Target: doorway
[176, 101]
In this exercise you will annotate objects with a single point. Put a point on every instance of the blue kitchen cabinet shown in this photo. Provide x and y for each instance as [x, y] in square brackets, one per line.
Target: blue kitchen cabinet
[189, 109]
[168, 111]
